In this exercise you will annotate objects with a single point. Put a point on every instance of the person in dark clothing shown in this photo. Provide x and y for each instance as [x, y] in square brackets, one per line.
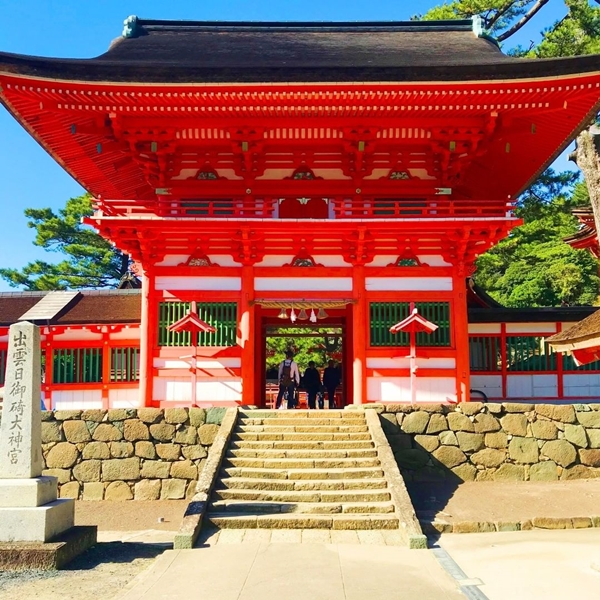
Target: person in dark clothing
[289, 378]
[331, 379]
[312, 384]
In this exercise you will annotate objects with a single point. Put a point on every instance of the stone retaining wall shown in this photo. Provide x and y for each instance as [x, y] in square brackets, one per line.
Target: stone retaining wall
[125, 454]
[501, 442]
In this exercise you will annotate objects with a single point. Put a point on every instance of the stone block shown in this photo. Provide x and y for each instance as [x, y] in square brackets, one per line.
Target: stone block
[581, 522]
[485, 475]
[194, 452]
[118, 491]
[51, 432]
[459, 422]
[149, 415]
[39, 524]
[508, 526]
[517, 407]
[127, 469]
[107, 432]
[62, 456]
[411, 458]
[65, 415]
[27, 492]
[494, 408]
[87, 470]
[552, 523]
[508, 472]
[576, 435]
[191, 490]
[97, 450]
[544, 430]
[544, 471]
[499, 439]
[215, 415]
[560, 451]
[117, 414]
[486, 423]
[147, 489]
[163, 432]
[514, 424]
[207, 433]
[197, 416]
[471, 408]
[450, 456]
[168, 451]
[187, 435]
[70, 490]
[437, 423]
[523, 450]
[590, 458]
[155, 469]
[565, 413]
[473, 527]
[94, 415]
[465, 472]
[76, 432]
[121, 449]
[399, 441]
[134, 430]
[594, 437]
[61, 475]
[489, 457]
[46, 415]
[173, 489]
[427, 442]
[469, 442]
[448, 438]
[176, 415]
[389, 423]
[589, 419]
[93, 491]
[145, 450]
[579, 472]
[184, 469]
[415, 422]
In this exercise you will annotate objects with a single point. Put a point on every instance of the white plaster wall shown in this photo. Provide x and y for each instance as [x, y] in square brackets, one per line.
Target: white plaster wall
[512, 328]
[217, 389]
[404, 363]
[220, 363]
[330, 261]
[431, 260]
[422, 284]
[275, 261]
[83, 335]
[199, 283]
[482, 328]
[397, 389]
[586, 385]
[76, 399]
[491, 385]
[124, 398]
[304, 284]
[532, 386]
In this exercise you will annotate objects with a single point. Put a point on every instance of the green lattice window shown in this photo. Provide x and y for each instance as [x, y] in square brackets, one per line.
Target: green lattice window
[125, 364]
[3, 355]
[485, 353]
[385, 314]
[529, 353]
[77, 365]
[221, 315]
[569, 365]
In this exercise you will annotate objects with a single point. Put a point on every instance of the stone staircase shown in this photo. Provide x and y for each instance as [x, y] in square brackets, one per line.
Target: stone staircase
[301, 469]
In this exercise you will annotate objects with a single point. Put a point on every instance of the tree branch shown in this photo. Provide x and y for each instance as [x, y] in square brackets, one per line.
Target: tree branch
[501, 12]
[524, 20]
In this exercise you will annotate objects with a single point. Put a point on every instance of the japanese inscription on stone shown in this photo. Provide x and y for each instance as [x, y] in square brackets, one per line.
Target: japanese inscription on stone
[20, 431]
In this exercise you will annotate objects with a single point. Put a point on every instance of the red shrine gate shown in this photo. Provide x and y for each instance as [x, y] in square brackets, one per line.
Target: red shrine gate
[247, 166]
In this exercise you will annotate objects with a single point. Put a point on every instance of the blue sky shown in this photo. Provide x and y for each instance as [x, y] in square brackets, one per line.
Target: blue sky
[83, 29]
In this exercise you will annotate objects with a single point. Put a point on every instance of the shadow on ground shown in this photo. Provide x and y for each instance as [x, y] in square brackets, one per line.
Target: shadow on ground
[116, 552]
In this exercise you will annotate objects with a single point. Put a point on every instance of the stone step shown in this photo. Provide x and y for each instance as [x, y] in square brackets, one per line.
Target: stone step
[321, 508]
[305, 422]
[283, 453]
[260, 483]
[301, 463]
[303, 428]
[311, 445]
[272, 493]
[300, 437]
[301, 414]
[299, 521]
[294, 474]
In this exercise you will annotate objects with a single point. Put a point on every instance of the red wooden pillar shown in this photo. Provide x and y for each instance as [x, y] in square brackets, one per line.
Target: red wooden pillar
[359, 336]
[49, 370]
[106, 368]
[461, 338]
[246, 336]
[149, 324]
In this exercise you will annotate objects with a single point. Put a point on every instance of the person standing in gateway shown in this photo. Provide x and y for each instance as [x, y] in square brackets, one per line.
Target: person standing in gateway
[289, 378]
[331, 379]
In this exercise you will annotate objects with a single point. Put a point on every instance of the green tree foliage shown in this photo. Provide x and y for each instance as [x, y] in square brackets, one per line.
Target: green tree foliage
[92, 262]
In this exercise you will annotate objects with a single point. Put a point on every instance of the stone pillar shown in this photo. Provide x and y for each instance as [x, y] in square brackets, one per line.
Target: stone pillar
[29, 509]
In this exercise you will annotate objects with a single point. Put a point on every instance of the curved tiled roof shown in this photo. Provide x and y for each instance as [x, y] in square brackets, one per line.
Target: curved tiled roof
[235, 52]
